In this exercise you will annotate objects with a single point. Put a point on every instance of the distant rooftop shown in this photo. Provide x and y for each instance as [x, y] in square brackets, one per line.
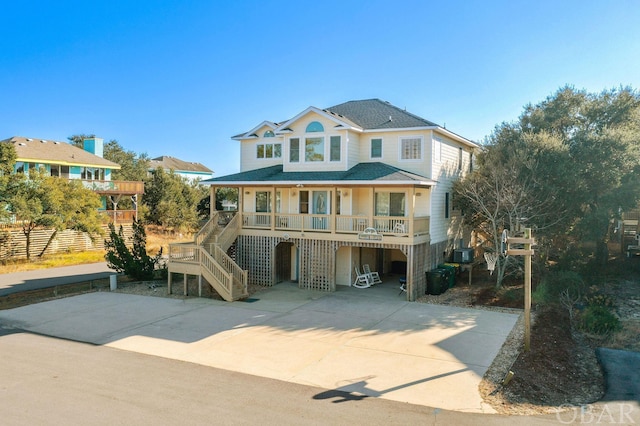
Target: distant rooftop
[175, 164]
[49, 151]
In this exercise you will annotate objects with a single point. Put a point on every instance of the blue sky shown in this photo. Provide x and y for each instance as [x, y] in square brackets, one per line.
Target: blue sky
[179, 78]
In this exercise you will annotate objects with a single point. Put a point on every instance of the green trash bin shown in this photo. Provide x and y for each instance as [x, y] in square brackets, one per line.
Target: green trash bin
[437, 281]
[452, 273]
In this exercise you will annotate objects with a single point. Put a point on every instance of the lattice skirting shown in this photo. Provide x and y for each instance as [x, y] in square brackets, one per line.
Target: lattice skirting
[317, 261]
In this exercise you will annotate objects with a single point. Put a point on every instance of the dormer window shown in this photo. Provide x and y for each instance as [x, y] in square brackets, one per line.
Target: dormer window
[269, 134]
[314, 126]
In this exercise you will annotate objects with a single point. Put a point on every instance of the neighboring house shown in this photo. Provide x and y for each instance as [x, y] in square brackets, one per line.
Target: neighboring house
[189, 170]
[330, 190]
[61, 159]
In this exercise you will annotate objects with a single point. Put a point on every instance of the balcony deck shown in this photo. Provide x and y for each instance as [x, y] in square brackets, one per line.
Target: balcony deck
[336, 224]
[113, 187]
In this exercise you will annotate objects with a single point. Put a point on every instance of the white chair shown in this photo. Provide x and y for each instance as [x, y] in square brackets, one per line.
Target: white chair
[374, 277]
[362, 280]
[399, 228]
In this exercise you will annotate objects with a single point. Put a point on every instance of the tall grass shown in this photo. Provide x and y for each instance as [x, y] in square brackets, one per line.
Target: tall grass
[53, 261]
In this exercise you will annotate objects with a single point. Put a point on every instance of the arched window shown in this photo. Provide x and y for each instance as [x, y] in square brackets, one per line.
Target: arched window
[268, 134]
[314, 126]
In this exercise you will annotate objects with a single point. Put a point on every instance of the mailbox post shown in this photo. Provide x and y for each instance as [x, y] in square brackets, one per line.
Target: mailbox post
[526, 242]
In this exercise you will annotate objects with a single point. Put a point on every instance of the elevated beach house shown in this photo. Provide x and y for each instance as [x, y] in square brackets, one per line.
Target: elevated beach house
[66, 161]
[330, 190]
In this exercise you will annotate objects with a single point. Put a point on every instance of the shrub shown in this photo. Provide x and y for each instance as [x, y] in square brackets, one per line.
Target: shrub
[552, 285]
[134, 262]
[598, 320]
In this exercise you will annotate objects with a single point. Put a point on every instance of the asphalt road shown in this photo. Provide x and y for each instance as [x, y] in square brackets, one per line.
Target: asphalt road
[43, 278]
[45, 380]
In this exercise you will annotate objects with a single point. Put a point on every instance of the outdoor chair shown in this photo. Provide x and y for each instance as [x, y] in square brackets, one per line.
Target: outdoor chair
[362, 280]
[399, 228]
[374, 277]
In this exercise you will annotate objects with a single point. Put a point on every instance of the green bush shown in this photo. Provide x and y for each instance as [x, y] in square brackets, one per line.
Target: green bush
[134, 262]
[598, 320]
[553, 284]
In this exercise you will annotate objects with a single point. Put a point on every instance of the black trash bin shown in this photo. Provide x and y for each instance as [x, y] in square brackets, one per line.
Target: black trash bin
[451, 275]
[437, 281]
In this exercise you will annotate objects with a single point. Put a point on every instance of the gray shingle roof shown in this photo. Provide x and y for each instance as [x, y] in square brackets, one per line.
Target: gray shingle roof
[56, 152]
[373, 172]
[372, 114]
[172, 163]
[377, 114]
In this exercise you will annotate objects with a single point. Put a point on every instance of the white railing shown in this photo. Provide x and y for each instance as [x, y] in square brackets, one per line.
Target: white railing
[183, 252]
[223, 278]
[208, 229]
[351, 224]
[344, 224]
[229, 234]
[238, 275]
[256, 220]
[391, 225]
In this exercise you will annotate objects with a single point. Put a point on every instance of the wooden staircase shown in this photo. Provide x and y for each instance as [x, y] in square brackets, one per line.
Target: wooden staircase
[208, 258]
[217, 267]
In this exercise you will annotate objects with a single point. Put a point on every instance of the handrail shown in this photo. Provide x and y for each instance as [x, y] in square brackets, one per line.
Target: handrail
[218, 273]
[239, 275]
[228, 234]
[207, 229]
[183, 252]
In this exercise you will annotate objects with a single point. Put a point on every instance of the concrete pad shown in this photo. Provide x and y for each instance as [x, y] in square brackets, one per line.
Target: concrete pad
[418, 353]
[398, 377]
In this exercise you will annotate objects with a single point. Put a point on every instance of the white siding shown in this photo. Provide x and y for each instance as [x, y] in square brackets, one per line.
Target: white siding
[249, 147]
[299, 131]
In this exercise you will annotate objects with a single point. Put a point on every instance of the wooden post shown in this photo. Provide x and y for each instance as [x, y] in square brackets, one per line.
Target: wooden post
[526, 251]
[527, 292]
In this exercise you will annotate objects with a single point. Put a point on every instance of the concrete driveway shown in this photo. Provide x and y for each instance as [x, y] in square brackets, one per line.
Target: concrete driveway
[353, 342]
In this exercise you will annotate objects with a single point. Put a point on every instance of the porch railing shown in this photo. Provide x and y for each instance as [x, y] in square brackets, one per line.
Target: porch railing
[120, 216]
[343, 224]
[114, 186]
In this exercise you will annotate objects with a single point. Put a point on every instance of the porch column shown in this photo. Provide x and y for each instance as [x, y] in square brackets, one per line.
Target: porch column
[411, 213]
[273, 208]
[212, 201]
[334, 208]
[372, 206]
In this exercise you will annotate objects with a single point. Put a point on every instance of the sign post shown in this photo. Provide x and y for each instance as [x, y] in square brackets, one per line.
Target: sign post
[527, 242]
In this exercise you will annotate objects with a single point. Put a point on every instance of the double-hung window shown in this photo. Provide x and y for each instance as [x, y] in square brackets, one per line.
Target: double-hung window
[411, 148]
[376, 148]
[334, 148]
[294, 150]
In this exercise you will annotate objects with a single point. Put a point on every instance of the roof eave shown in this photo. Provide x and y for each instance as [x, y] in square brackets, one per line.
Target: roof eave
[427, 182]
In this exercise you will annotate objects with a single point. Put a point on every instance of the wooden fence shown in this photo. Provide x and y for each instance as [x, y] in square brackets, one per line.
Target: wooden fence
[13, 242]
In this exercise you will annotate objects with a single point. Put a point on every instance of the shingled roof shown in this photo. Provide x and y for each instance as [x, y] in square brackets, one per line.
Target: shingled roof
[377, 114]
[55, 152]
[172, 163]
[368, 114]
[363, 173]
